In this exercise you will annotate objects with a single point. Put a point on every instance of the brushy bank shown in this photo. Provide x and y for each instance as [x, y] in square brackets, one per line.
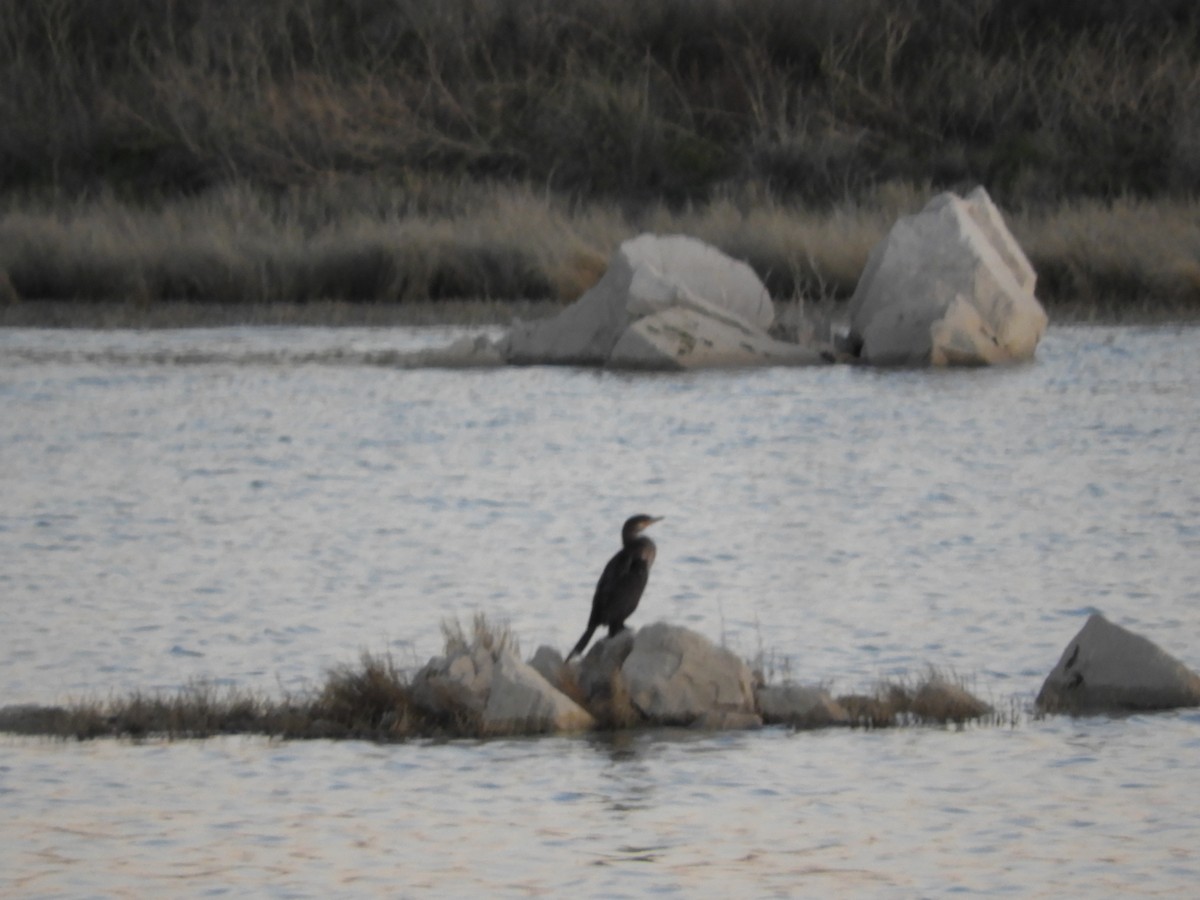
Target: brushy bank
[290, 151]
[629, 100]
[374, 701]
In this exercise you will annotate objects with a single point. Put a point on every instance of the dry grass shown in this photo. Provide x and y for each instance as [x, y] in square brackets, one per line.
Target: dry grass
[494, 636]
[346, 260]
[371, 701]
[236, 245]
[1127, 257]
[197, 711]
[935, 697]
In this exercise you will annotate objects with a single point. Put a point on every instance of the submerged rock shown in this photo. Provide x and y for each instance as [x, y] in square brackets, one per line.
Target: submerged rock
[470, 352]
[1106, 668]
[799, 706]
[947, 286]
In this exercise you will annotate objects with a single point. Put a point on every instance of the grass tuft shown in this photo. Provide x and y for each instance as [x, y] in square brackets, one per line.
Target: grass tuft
[484, 633]
[371, 701]
[934, 698]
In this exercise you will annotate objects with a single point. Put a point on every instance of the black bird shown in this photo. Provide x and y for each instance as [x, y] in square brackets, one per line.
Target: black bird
[622, 582]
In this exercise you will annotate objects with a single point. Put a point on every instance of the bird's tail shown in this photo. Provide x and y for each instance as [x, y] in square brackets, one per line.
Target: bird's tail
[583, 642]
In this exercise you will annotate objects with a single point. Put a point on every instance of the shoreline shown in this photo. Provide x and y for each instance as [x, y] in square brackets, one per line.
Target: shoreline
[187, 314]
[182, 314]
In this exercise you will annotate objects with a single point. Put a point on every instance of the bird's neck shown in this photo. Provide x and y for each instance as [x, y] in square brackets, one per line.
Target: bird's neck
[642, 546]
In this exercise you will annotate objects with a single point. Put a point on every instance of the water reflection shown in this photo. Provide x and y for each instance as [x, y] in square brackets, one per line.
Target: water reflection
[626, 781]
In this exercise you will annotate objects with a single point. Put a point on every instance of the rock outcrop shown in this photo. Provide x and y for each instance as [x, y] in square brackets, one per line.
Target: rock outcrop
[665, 302]
[1106, 668]
[947, 286]
[491, 688]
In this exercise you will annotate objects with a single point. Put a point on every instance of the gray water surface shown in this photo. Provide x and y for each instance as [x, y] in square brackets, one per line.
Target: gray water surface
[253, 506]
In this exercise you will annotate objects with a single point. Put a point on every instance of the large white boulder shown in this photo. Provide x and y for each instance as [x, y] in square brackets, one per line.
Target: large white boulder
[947, 286]
[664, 302]
[490, 688]
[678, 677]
[1106, 668]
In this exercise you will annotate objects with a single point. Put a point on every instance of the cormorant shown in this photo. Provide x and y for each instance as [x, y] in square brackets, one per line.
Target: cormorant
[622, 582]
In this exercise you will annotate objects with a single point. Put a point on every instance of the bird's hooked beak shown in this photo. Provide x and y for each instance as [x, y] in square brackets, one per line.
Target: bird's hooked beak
[651, 521]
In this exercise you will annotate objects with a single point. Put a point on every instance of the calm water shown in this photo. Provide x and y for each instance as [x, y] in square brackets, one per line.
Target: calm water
[253, 506]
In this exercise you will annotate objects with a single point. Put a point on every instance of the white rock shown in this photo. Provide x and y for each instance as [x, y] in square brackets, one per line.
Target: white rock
[521, 701]
[947, 286]
[493, 687]
[1108, 668]
[678, 677]
[653, 275]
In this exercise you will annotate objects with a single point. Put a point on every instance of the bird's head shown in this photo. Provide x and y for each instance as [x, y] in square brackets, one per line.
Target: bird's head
[635, 525]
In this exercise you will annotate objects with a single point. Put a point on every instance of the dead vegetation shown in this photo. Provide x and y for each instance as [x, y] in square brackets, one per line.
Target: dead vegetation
[935, 698]
[615, 99]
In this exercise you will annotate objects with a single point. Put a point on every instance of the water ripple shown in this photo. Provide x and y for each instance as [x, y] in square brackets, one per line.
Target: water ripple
[252, 520]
